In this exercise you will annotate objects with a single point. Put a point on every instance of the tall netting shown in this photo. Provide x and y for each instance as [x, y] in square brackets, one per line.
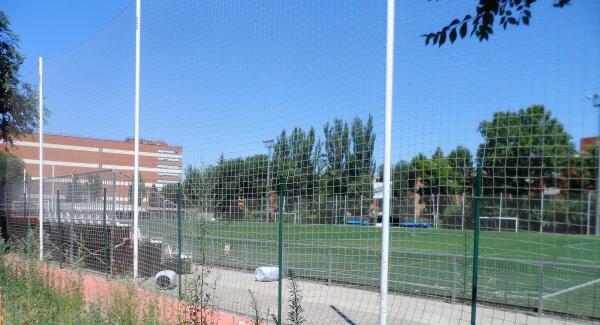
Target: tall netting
[261, 179]
[516, 106]
[279, 109]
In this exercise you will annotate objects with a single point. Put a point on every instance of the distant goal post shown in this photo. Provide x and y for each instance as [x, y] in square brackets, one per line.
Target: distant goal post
[500, 223]
[288, 217]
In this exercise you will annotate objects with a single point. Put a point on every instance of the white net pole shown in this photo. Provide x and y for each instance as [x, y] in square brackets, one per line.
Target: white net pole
[41, 158]
[136, 168]
[387, 161]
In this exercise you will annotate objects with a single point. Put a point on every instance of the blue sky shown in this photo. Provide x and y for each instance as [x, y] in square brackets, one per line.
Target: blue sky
[220, 77]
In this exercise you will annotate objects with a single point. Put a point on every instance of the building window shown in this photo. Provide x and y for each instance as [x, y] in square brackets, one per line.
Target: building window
[168, 159]
[166, 181]
[168, 174]
[171, 152]
[168, 167]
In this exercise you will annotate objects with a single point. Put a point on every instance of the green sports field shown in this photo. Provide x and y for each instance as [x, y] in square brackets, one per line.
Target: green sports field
[515, 269]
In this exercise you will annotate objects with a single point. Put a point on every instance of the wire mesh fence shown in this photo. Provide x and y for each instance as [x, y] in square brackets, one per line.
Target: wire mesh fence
[275, 195]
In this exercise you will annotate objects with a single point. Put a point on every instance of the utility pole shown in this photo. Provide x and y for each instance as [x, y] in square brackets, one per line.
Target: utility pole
[269, 144]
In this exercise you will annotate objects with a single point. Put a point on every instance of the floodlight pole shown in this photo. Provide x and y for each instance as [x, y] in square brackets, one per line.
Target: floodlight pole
[269, 145]
[596, 102]
[136, 161]
[387, 163]
[41, 157]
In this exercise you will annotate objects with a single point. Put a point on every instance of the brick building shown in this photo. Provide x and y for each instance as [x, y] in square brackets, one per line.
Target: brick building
[160, 163]
[586, 143]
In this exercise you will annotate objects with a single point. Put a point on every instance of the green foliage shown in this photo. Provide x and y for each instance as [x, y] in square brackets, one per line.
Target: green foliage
[18, 101]
[94, 186]
[29, 298]
[74, 189]
[141, 190]
[461, 161]
[436, 175]
[154, 198]
[199, 187]
[342, 163]
[523, 150]
[295, 158]
[11, 168]
[481, 24]
[295, 314]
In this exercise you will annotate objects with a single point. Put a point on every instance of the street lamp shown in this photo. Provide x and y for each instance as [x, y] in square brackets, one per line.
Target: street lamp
[269, 144]
[596, 103]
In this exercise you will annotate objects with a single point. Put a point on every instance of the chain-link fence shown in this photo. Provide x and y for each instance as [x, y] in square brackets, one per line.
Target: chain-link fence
[276, 193]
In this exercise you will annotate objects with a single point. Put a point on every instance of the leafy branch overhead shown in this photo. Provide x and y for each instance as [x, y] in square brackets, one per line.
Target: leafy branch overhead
[481, 24]
[18, 100]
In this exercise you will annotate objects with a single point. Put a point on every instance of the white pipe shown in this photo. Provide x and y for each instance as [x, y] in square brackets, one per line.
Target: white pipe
[589, 207]
[136, 168]
[542, 214]
[387, 163]
[415, 208]
[41, 139]
[52, 192]
[500, 219]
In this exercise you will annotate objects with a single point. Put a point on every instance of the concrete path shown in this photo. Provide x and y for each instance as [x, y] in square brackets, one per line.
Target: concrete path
[335, 304]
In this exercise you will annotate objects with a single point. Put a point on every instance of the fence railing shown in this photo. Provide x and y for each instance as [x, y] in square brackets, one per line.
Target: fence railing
[526, 284]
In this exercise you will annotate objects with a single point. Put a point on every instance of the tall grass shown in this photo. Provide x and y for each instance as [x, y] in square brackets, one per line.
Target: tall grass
[31, 296]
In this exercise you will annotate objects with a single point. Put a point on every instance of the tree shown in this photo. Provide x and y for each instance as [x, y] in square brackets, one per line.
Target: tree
[401, 186]
[154, 198]
[432, 176]
[361, 165]
[168, 195]
[199, 187]
[74, 189]
[94, 186]
[523, 150]
[337, 153]
[296, 158]
[18, 101]
[481, 24]
[141, 190]
[11, 168]
[461, 161]
[11, 182]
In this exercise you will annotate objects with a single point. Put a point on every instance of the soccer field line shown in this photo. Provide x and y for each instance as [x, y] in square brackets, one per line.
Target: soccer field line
[579, 286]
[582, 245]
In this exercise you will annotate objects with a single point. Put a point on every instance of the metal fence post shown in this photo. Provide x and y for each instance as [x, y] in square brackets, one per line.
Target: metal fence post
[60, 232]
[476, 247]
[462, 220]
[105, 233]
[330, 268]
[541, 290]
[211, 244]
[589, 208]
[114, 215]
[25, 211]
[245, 255]
[280, 252]
[179, 241]
[454, 278]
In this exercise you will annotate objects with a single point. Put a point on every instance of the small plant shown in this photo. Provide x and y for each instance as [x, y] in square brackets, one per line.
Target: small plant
[295, 309]
[256, 310]
[200, 293]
